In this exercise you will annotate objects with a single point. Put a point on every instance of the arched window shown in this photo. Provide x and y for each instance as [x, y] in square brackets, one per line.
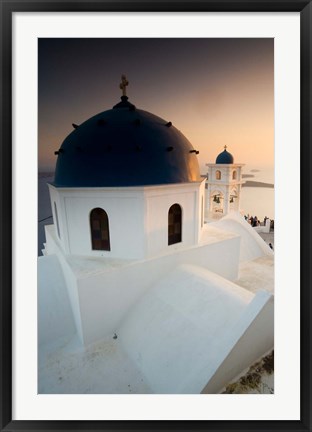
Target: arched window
[234, 175]
[174, 224]
[99, 229]
[218, 175]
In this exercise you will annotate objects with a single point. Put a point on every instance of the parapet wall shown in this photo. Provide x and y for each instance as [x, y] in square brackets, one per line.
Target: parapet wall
[252, 245]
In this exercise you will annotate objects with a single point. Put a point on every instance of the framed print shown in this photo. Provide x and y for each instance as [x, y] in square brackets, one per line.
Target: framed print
[155, 215]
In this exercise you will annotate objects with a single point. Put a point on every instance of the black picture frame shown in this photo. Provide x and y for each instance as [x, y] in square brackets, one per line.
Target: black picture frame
[7, 9]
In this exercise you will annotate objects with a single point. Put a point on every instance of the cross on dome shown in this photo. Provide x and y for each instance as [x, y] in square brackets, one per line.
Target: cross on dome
[225, 147]
[124, 83]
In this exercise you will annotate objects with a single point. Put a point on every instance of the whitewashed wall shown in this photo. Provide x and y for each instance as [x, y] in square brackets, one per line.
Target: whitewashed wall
[55, 318]
[180, 333]
[138, 218]
[56, 199]
[53, 246]
[126, 220]
[101, 298]
[256, 330]
[106, 298]
[252, 246]
[158, 201]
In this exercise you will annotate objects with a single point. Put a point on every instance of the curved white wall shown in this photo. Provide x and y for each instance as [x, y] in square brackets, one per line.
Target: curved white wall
[184, 328]
[252, 245]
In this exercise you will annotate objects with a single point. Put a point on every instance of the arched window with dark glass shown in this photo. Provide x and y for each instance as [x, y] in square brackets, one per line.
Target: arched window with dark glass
[174, 224]
[99, 229]
[234, 175]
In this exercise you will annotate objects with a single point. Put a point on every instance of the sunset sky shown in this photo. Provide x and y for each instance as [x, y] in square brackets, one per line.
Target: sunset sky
[216, 91]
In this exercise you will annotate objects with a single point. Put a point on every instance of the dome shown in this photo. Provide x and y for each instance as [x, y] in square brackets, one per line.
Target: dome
[225, 157]
[125, 146]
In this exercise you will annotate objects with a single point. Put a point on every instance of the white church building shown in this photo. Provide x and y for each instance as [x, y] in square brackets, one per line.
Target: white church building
[132, 271]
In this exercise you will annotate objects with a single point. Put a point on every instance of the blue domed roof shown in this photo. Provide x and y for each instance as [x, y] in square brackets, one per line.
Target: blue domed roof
[125, 146]
[225, 157]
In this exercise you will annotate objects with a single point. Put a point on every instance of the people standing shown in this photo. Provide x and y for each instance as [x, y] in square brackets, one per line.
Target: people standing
[255, 221]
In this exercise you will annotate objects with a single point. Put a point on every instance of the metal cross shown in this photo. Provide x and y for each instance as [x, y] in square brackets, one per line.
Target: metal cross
[123, 84]
[225, 147]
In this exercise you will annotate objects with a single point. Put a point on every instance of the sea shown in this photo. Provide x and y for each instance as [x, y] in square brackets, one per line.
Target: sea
[255, 201]
[258, 201]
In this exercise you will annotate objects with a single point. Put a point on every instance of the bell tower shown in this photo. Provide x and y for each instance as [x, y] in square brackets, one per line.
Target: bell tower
[223, 186]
